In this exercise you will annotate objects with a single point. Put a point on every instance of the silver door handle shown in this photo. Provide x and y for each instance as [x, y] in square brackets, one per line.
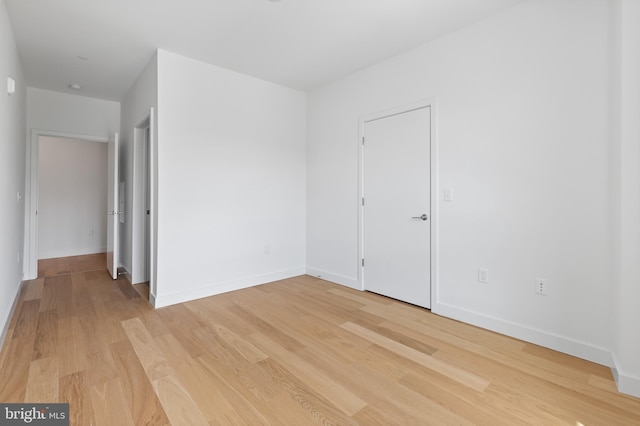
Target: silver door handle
[423, 217]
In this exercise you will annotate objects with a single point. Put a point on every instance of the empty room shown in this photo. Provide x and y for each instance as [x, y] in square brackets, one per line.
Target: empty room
[297, 212]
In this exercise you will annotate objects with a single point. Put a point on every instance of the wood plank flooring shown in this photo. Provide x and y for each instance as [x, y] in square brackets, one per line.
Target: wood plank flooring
[71, 264]
[300, 351]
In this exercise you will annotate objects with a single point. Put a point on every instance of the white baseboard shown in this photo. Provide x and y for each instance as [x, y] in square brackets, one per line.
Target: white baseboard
[626, 384]
[334, 278]
[161, 300]
[71, 252]
[528, 334]
[10, 311]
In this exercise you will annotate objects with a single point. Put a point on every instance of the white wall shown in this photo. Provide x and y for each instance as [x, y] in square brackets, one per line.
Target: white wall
[231, 180]
[625, 195]
[523, 127]
[72, 197]
[12, 170]
[138, 101]
[60, 114]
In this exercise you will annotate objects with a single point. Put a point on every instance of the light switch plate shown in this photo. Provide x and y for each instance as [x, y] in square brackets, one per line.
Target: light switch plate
[448, 194]
[11, 86]
[483, 275]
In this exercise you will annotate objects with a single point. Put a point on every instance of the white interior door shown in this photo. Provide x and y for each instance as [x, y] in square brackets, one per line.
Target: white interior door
[396, 213]
[112, 207]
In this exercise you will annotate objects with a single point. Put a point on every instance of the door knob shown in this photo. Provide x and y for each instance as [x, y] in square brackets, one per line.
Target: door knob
[423, 217]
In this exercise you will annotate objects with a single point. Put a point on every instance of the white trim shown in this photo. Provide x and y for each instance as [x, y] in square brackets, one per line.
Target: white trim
[30, 267]
[433, 106]
[137, 198]
[10, 313]
[152, 299]
[626, 384]
[73, 252]
[334, 278]
[138, 214]
[159, 301]
[528, 334]
[153, 201]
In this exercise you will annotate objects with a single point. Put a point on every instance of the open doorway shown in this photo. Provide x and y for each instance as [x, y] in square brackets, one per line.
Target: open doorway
[66, 197]
[72, 197]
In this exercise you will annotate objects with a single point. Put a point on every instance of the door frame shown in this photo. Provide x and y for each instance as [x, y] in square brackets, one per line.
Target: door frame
[137, 206]
[432, 104]
[30, 267]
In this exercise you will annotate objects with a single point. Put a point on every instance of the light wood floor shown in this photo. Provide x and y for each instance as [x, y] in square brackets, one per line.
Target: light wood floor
[295, 352]
[71, 264]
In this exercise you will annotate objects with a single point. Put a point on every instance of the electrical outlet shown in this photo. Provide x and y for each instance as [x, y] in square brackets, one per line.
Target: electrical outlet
[541, 286]
[92, 232]
[483, 275]
[18, 256]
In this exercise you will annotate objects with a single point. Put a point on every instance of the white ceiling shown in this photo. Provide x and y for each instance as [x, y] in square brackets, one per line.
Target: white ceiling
[296, 43]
